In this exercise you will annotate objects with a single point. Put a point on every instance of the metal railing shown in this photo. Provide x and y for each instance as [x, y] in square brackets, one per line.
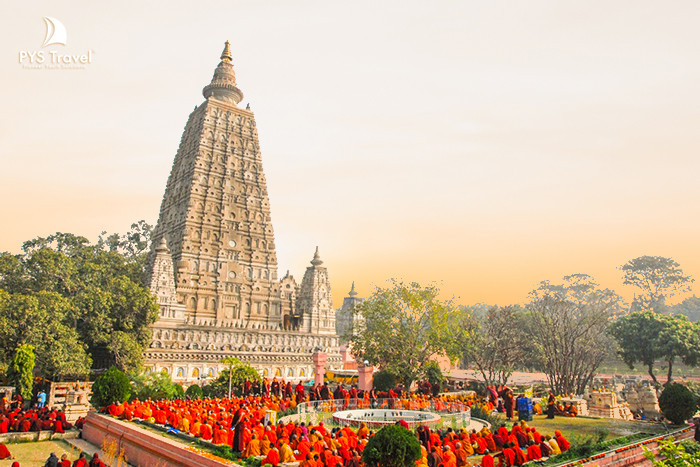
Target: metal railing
[422, 405]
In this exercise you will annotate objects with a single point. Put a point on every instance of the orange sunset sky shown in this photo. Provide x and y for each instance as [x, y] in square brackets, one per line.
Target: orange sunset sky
[485, 146]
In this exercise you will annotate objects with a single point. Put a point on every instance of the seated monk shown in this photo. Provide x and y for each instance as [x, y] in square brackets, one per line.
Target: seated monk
[273, 456]
[252, 448]
[4, 452]
[487, 460]
[286, 453]
[563, 443]
[460, 454]
[554, 446]
[308, 461]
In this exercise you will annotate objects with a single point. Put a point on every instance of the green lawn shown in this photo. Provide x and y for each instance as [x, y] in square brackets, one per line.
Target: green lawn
[36, 453]
[582, 426]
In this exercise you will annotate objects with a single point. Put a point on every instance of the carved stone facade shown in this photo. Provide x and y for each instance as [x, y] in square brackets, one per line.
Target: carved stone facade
[214, 264]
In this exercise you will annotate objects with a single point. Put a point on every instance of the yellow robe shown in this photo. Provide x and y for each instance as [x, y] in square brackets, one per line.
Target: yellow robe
[286, 454]
[555, 447]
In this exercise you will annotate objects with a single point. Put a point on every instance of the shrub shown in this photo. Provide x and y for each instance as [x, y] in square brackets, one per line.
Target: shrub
[156, 386]
[677, 403]
[392, 446]
[111, 387]
[384, 380]
[194, 392]
[21, 370]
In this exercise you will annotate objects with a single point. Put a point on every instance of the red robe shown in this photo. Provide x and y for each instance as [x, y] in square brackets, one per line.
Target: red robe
[4, 452]
[273, 457]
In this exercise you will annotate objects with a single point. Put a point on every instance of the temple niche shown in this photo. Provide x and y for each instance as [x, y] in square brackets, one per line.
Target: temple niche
[213, 264]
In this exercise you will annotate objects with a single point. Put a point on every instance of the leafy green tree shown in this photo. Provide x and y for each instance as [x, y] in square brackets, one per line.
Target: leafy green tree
[111, 387]
[494, 342]
[658, 278]
[194, 392]
[239, 372]
[156, 386]
[88, 300]
[400, 328]
[384, 380]
[648, 336]
[42, 320]
[21, 371]
[678, 403]
[433, 374]
[673, 455]
[392, 446]
[568, 324]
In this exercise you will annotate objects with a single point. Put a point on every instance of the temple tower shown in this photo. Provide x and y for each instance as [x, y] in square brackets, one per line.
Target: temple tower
[214, 265]
[315, 303]
[215, 213]
[344, 316]
[162, 283]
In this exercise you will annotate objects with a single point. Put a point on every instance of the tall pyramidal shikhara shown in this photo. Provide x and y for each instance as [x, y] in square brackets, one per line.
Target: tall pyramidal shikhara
[213, 265]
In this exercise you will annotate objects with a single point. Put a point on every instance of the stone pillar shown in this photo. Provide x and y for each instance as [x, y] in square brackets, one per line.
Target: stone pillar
[320, 359]
[365, 377]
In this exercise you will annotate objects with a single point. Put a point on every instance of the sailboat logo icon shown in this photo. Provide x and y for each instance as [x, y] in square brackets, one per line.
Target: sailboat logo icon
[55, 32]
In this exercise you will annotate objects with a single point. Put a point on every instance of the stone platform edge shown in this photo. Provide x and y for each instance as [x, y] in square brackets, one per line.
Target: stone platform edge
[143, 448]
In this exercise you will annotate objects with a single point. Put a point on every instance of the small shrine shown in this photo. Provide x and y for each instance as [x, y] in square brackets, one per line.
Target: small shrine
[604, 404]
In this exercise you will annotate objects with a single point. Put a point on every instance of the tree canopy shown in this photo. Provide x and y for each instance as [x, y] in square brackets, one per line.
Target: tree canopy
[392, 446]
[568, 326]
[80, 305]
[647, 336]
[233, 377]
[400, 328]
[657, 278]
[494, 342]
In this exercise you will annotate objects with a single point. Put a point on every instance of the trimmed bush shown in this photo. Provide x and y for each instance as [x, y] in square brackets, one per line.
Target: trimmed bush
[677, 403]
[111, 387]
[392, 446]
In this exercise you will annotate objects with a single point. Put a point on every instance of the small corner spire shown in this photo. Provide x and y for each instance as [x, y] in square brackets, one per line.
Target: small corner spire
[226, 54]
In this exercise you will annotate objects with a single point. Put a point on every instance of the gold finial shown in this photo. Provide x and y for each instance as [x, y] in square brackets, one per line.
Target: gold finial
[226, 54]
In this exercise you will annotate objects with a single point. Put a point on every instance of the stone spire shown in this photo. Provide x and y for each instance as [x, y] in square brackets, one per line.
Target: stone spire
[162, 284]
[226, 54]
[223, 84]
[315, 304]
[352, 292]
[317, 259]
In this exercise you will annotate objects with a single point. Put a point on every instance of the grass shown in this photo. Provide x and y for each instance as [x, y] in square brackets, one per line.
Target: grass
[577, 426]
[589, 436]
[36, 453]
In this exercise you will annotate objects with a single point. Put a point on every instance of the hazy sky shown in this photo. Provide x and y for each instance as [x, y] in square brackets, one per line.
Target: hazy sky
[483, 145]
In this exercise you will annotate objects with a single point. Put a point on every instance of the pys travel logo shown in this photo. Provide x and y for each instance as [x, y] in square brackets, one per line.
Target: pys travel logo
[56, 34]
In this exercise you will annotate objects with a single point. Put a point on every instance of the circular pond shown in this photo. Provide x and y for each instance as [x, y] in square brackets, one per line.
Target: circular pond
[380, 417]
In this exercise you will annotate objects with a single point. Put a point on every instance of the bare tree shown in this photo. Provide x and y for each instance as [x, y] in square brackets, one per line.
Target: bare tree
[568, 324]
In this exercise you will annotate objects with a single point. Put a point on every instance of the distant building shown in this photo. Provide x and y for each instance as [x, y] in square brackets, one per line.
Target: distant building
[213, 262]
[344, 318]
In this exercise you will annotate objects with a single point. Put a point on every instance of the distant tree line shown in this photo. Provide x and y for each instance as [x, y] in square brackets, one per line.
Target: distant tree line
[566, 330]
